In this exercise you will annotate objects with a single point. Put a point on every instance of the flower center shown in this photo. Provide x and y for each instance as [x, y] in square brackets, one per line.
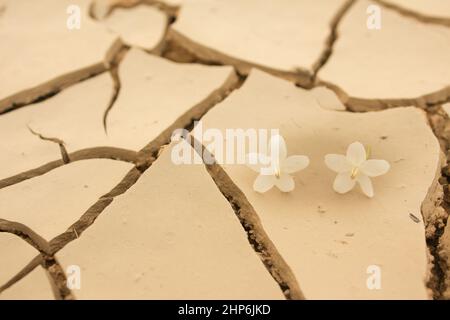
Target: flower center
[277, 171]
[354, 172]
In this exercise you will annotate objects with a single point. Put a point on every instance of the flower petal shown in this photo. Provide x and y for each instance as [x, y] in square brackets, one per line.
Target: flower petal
[338, 163]
[343, 182]
[256, 161]
[294, 163]
[366, 185]
[374, 168]
[277, 148]
[285, 183]
[356, 153]
[263, 183]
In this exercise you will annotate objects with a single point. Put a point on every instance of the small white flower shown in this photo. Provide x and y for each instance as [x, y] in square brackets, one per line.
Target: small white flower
[354, 167]
[275, 167]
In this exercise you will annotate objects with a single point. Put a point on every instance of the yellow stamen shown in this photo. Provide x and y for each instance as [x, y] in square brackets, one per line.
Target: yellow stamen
[354, 173]
[368, 152]
[277, 172]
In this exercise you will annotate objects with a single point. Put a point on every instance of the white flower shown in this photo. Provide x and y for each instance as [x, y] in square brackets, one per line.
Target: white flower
[354, 167]
[275, 167]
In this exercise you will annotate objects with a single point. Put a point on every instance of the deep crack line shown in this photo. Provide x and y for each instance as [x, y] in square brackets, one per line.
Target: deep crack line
[26, 234]
[355, 104]
[439, 123]
[117, 85]
[250, 221]
[62, 147]
[332, 38]
[415, 14]
[50, 88]
[57, 278]
[111, 153]
[144, 159]
[169, 10]
[208, 56]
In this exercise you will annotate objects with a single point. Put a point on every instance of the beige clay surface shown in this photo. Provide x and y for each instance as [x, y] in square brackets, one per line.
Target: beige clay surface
[433, 8]
[143, 109]
[71, 188]
[38, 46]
[396, 64]
[330, 240]
[150, 21]
[172, 236]
[35, 286]
[150, 229]
[282, 35]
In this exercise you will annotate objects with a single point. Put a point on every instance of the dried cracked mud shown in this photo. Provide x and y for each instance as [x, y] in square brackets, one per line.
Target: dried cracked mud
[89, 188]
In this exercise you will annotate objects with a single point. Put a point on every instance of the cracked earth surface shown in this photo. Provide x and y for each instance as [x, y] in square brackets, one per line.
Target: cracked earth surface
[87, 180]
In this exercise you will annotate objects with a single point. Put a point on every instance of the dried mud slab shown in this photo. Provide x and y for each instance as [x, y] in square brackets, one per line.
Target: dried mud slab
[277, 36]
[40, 54]
[142, 26]
[74, 116]
[141, 112]
[155, 93]
[329, 240]
[173, 216]
[35, 286]
[56, 200]
[397, 65]
[430, 8]
[15, 253]
[327, 99]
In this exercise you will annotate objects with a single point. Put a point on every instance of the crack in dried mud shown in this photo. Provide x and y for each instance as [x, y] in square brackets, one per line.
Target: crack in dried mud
[59, 142]
[115, 76]
[111, 153]
[251, 223]
[54, 86]
[26, 234]
[438, 218]
[176, 47]
[414, 14]
[143, 160]
[332, 37]
[355, 104]
[170, 10]
[57, 277]
[209, 56]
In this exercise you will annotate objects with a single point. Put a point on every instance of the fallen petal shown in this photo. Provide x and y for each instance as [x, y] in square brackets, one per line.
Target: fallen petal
[356, 153]
[285, 183]
[338, 163]
[374, 168]
[263, 183]
[343, 182]
[366, 185]
[295, 163]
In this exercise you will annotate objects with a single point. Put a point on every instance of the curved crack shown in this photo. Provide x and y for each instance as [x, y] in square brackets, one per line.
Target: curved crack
[170, 10]
[144, 159]
[54, 86]
[57, 279]
[84, 154]
[414, 14]
[26, 234]
[355, 104]
[194, 52]
[249, 219]
[62, 148]
[115, 76]
[333, 36]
